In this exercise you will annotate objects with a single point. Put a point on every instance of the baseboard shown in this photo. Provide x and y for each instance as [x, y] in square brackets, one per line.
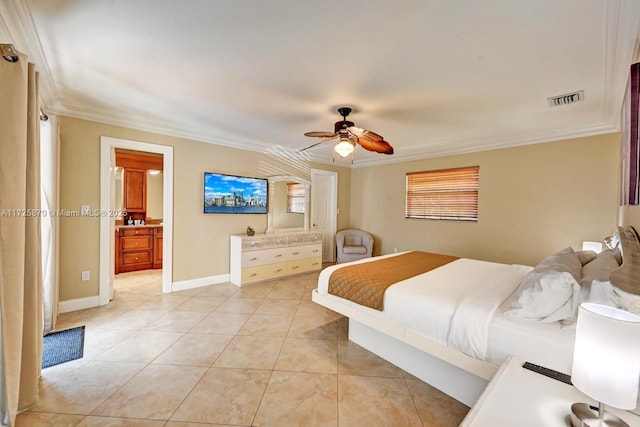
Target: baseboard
[78, 304]
[94, 301]
[199, 282]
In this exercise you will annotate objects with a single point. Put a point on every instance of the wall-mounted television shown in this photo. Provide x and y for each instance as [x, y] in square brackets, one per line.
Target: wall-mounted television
[233, 194]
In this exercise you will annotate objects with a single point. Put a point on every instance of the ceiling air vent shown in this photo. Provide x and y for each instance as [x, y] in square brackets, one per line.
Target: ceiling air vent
[567, 98]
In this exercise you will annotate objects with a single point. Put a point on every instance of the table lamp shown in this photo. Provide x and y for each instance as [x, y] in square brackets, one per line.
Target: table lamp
[606, 363]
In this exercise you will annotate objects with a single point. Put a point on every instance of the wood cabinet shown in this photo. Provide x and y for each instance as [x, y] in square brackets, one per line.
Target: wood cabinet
[138, 248]
[135, 190]
[157, 247]
[134, 181]
[269, 256]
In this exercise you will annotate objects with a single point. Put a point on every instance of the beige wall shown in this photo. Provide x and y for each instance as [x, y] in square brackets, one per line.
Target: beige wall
[201, 242]
[533, 201]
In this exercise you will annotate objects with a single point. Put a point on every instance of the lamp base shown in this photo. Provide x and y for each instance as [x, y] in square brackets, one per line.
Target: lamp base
[583, 415]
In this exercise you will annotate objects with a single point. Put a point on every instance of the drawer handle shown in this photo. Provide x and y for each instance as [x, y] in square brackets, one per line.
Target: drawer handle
[277, 255]
[295, 253]
[253, 274]
[295, 267]
[278, 270]
[253, 259]
[315, 263]
[315, 250]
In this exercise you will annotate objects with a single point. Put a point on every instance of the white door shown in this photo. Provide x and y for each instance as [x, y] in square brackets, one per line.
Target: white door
[324, 211]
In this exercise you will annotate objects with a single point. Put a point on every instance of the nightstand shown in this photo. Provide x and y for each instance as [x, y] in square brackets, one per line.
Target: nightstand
[516, 396]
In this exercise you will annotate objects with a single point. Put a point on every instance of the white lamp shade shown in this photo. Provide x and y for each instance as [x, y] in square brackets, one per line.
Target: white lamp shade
[606, 356]
[344, 147]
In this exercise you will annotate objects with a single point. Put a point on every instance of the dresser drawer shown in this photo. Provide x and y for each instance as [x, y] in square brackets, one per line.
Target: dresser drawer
[135, 243]
[306, 251]
[263, 272]
[304, 265]
[141, 231]
[266, 256]
[130, 258]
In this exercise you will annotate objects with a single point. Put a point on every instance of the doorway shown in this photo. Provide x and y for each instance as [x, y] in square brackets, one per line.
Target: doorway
[108, 147]
[324, 211]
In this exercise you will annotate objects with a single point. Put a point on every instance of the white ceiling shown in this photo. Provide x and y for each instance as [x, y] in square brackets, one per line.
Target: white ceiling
[433, 77]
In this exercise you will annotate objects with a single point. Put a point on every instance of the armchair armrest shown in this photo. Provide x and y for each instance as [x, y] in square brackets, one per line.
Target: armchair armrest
[367, 240]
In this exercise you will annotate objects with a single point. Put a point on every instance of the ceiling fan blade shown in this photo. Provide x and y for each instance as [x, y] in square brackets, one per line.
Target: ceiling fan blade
[321, 134]
[371, 141]
[363, 133]
[317, 143]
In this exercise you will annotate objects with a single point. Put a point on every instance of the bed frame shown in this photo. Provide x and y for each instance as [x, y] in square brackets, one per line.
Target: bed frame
[445, 368]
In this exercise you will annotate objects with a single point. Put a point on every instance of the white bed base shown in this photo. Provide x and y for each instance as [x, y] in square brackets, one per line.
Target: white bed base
[447, 369]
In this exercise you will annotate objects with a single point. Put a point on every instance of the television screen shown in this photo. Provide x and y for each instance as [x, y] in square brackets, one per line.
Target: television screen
[230, 194]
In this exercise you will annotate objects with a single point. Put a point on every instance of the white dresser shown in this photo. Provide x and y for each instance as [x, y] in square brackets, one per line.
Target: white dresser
[269, 256]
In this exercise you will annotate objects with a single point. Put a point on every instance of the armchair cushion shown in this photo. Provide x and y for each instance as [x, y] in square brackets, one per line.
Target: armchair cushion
[353, 244]
[354, 249]
[352, 240]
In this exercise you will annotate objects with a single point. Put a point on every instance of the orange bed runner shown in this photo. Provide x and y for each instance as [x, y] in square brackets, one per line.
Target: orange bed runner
[366, 283]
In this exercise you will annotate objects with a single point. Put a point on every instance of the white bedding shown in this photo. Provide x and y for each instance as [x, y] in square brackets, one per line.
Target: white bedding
[461, 305]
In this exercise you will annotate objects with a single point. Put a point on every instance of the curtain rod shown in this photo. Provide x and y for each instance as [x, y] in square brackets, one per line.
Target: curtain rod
[9, 53]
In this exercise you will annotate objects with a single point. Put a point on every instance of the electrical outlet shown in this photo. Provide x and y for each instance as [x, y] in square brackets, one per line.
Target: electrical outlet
[86, 276]
[395, 250]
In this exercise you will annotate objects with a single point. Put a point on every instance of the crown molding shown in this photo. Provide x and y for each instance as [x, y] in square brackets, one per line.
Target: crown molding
[16, 24]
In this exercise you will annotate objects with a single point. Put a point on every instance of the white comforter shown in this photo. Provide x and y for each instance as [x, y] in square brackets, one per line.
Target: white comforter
[452, 304]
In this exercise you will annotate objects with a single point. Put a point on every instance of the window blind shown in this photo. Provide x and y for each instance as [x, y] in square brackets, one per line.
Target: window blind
[450, 194]
[295, 198]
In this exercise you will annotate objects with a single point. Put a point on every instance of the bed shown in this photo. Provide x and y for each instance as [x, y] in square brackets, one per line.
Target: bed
[453, 325]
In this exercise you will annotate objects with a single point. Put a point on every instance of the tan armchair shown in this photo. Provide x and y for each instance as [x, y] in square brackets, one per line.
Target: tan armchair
[352, 244]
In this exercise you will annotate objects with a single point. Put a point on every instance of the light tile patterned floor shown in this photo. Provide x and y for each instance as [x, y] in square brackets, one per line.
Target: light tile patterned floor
[262, 355]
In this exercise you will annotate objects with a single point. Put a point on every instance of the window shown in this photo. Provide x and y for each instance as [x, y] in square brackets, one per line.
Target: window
[295, 198]
[443, 194]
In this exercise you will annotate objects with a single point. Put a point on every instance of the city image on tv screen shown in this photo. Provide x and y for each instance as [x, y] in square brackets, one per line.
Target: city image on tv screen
[231, 194]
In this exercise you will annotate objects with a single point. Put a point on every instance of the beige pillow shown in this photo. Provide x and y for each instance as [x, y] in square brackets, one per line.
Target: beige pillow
[586, 256]
[352, 240]
[600, 268]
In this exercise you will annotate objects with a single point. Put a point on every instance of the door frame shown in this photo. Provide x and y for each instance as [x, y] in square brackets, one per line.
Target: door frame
[107, 199]
[332, 222]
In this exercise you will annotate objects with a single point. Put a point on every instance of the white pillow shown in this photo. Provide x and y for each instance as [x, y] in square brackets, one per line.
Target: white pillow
[548, 297]
[602, 292]
[626, 301]
[550, 292]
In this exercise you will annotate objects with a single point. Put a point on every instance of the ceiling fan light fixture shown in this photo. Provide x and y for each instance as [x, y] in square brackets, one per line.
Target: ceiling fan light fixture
[344, 147]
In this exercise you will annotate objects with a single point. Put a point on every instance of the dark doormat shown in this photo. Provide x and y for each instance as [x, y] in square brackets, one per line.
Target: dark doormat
[62, 346]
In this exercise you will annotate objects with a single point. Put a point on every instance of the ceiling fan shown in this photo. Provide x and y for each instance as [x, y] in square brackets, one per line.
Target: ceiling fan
[349, 135]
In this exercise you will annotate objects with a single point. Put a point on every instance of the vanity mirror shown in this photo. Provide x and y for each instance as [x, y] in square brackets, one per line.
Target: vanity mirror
[288, 204]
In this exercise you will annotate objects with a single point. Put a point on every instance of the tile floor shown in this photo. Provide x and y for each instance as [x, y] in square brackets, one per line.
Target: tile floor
[262, 355]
